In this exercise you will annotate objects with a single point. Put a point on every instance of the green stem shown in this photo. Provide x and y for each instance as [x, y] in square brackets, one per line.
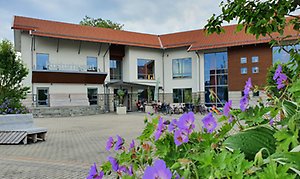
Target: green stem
[195, 170]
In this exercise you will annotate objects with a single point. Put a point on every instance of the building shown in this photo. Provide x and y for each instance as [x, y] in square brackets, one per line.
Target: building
[74, 65]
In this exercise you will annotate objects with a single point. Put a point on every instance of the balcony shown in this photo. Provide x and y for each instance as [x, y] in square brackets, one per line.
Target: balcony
[67, 73]
[67, 68]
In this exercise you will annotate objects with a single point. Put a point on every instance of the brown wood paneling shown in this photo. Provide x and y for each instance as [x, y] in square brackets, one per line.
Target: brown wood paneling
[66, 77]
[117, 51]
[236, 81]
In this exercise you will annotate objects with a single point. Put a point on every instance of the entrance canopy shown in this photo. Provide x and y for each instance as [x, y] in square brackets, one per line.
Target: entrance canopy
[131, 84]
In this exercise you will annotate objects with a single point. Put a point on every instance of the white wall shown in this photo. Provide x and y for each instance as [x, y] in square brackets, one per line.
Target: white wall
[171, 83]
[68, 51]
[26, 57]
[130, 64]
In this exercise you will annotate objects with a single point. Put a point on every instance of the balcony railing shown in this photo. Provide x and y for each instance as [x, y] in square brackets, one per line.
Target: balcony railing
[67, 67]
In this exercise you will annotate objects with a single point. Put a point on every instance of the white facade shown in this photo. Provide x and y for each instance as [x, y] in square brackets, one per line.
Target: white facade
[72, 52]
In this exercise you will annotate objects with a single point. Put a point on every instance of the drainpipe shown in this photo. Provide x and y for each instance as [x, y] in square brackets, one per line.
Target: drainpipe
[31, 49]
[198, 76]
[163, 73]
[106, 99]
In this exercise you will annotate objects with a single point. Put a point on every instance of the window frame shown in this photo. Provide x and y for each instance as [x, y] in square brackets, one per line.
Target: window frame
[243, 60]
[89, 67]
[181, 73]
[244, 73]
[183, 98]
[145, 76]
[253, 70]
[36, 61]
[255, 59]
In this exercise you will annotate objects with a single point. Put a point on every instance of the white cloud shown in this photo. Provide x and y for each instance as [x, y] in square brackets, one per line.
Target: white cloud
[155, 16]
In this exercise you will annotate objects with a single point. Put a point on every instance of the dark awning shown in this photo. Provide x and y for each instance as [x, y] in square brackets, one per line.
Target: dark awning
[131, 84]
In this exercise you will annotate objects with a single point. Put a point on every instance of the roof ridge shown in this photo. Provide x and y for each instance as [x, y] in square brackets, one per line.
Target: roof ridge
[68, 23]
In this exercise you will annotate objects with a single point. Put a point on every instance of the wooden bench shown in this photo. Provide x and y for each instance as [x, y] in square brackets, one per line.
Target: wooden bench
[16, 128]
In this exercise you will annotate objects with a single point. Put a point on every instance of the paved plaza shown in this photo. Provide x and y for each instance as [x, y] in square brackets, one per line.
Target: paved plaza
[73, 144]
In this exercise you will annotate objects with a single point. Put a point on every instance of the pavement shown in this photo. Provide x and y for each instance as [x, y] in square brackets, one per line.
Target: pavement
[73, 144]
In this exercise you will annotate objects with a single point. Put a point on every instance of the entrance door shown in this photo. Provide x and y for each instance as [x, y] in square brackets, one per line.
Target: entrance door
[93, 95]
[42, 96]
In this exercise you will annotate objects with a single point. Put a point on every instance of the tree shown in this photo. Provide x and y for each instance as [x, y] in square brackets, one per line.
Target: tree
[12, 73]
[99, 22]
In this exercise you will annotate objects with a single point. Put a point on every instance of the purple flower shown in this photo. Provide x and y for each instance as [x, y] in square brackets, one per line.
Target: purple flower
[173, 125]
[230, 119]
[132, 145]
[119, 143]
[227, 107]
[110, 143]
[160, 128]
[158, 171]
[178, 176]
[114, 163]
[247, 87]
[279, 77]
[130, 171]
[181, 136]
[277, 72]
[280, 81]
[271, 122]
[94, 173]
[244, 103]
[186, 122]
[209, 123]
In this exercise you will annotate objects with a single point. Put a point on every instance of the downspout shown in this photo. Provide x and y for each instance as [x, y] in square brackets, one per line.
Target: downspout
[163, 66]
[34, 98]
[198, 76]
[106, 99]
[163, 74]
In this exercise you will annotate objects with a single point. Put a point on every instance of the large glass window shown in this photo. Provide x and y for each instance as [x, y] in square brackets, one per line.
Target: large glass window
[216, 77]
[115, 69]
[145, 69]
[282, 56]
[182, 68]
[42, 61]
[92, 63]
[182, 95]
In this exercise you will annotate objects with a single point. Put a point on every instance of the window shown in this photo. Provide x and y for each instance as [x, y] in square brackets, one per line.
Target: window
[243, 60]
[92, 95]
[42, 61]
[243, 71]
[242, 93]
[256, 94]
[182, 95]
[216, 77]
[182, 68]
[92, 63]
[145, 69]
[42, 97]
[281, 55]
[255, 59]
[255, 69]
[115, 69]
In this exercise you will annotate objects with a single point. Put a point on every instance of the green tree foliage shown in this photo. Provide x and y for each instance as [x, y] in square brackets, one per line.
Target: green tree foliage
[99, 22]
[257, 17]
[12, 73]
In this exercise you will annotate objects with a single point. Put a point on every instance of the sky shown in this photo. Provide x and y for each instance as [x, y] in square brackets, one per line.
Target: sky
[146, 16]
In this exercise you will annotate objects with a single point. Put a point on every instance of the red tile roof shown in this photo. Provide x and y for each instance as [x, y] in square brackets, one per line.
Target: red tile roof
[86, 33]
[195, 39]
[232, 38]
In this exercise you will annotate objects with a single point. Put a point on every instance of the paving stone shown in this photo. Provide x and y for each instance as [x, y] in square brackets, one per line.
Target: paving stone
[73, 144]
